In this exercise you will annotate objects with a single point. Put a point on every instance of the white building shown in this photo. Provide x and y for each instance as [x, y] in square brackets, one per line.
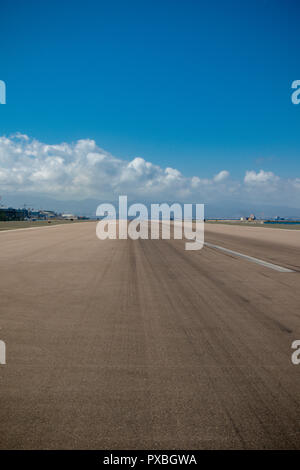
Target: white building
[69, 216]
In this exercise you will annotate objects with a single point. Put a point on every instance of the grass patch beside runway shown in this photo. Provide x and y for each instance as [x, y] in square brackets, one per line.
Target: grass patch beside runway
[12, 225]
[255, 224]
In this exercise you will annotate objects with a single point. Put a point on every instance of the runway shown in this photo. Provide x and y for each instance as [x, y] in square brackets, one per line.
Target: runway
[122, 344]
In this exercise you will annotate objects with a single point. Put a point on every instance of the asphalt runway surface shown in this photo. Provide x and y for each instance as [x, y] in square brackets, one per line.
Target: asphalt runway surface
[123, 344]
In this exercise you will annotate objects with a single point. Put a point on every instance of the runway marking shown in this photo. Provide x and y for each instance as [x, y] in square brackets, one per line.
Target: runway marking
[276, 267]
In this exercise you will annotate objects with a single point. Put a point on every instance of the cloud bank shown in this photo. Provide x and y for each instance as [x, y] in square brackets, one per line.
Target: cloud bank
[82, 170]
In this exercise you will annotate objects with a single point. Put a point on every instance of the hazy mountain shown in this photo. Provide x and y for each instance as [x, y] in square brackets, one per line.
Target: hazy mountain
[88, 207]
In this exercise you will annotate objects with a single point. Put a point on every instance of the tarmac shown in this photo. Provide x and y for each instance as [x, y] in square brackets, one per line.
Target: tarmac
[122, 344]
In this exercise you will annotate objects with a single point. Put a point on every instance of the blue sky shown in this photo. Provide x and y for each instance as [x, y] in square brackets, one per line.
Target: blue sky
[200, 86]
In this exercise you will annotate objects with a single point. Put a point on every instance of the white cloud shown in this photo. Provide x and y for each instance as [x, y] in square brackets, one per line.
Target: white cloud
[261, 177]
[81, 170]
[221, 176]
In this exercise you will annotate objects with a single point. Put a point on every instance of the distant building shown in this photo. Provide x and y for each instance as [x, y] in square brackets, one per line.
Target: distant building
[42, 215]
[35, 214]
[49, 214]
[11, 214]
